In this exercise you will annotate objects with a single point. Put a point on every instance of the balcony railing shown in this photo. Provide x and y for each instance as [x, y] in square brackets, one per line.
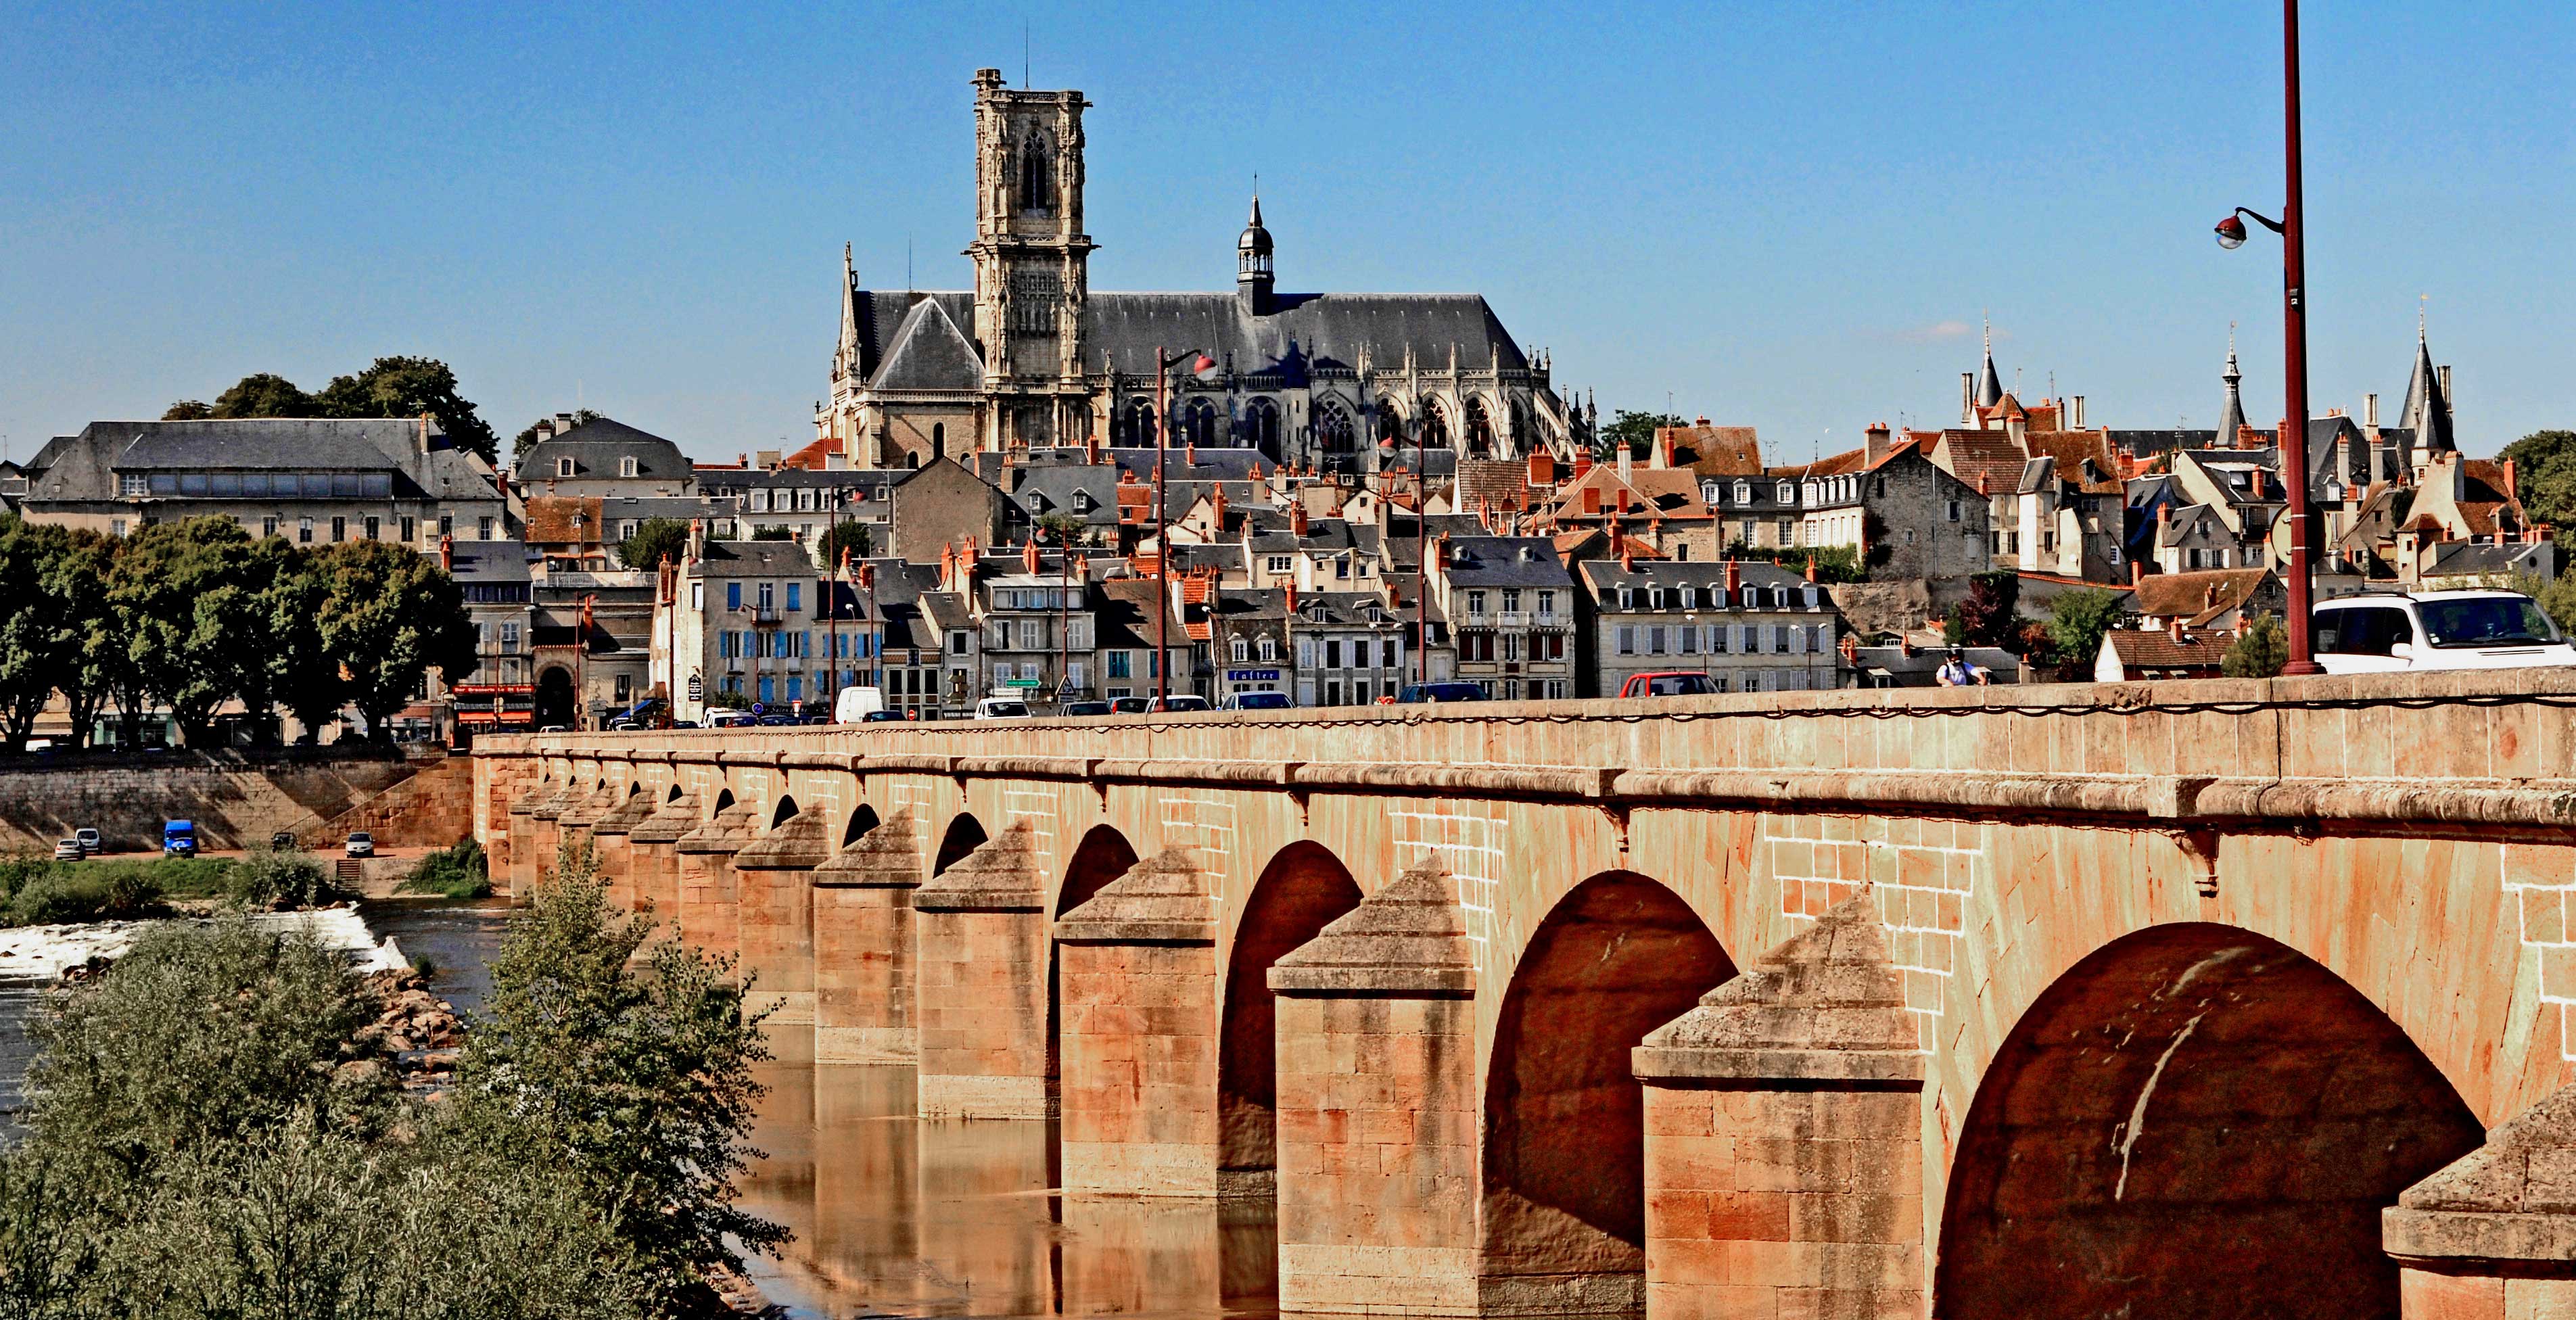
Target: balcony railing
[765, 616]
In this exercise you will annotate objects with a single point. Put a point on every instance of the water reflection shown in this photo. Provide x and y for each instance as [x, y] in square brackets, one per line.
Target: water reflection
[959, 1217]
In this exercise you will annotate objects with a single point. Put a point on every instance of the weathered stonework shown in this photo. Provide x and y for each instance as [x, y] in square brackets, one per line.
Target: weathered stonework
[519, 850]
[773, 881]
[612, 837]
[2493, 1236]
[1136, 969]
[654, 860]
[981, 926]
[1378, 1113]
[1784, 1137]
[863, 947]
[546, 837]
[710, 900]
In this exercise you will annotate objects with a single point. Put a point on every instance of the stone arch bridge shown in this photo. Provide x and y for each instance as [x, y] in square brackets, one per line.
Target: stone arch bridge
[2213, 998]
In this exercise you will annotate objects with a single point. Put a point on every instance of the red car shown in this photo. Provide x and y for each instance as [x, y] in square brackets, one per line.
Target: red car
[1669, 683]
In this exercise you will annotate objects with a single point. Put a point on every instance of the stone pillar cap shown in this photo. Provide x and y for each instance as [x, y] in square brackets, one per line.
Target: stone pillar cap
[626, 815]
[2512, 1199]
[1001, 875]
[1161, 900]
[554, 804]
[887, 857]
[1826, 1006]
[527, 802]
[1409, 938]
[589, 808]
[798, 844]
[668, 822]
[729, 832]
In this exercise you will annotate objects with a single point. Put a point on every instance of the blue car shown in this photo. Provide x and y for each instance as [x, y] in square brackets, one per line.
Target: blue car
[178, 838]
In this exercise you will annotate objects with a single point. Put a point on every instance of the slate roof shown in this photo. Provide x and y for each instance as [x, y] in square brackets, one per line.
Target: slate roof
[1344, 609]
[596, 445]
[1504, 561]
[84, 466]
[1124, 619]
[1600, 573]
[2465, 558]
[755, 559]
[1300, 332]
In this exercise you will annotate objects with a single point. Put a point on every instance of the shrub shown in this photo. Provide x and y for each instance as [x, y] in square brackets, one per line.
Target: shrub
[283, 880]
[2259, 651]
[458, 872]
[61, 896]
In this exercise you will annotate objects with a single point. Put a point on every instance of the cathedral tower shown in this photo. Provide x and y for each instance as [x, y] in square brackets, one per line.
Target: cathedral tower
[1032, 261]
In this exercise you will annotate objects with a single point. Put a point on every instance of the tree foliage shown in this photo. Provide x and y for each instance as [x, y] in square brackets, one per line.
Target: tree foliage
[1988, 617]
[1636, 430]
[655, 540]
[1834, 563]
[2076, 622]
[856, 537]
[2544, 465]
[388, 614]
[2260, 650]
[388, 387]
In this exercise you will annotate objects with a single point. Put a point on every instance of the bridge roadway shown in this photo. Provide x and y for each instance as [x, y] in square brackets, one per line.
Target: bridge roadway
[2210, 998]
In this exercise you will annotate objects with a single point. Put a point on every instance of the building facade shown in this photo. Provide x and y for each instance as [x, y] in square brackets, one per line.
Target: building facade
[1751, 627]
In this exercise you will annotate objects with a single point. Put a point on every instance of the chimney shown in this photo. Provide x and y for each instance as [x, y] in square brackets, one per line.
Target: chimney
[2173, 629]
[1627, 559]
[1216, 510]
[1734, 580]
[2075, 418]
[1982, 485]
[2254, 482]
[1875, 450]
[1297, 517]
[1811, 567]
[1967, 398]
[2137, 574]
[1542, 468]
[447, 553]
[1625, 463]
[1190, 453]
[2509, 492]
[1290, 598]
[2209, 597]
[1582, 463]
[2370, 411]
[2018, 427]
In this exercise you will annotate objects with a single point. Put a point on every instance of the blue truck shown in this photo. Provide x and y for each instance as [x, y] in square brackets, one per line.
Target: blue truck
[178, 838]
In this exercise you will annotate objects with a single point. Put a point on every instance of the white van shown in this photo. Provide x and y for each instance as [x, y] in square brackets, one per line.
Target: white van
[1002, 708]
[856, 704]
[2388, 632]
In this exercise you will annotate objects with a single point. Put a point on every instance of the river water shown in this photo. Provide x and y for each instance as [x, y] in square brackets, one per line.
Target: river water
[895, 1216]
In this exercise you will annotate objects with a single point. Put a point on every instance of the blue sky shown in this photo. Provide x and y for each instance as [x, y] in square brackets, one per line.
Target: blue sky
[1788, 215]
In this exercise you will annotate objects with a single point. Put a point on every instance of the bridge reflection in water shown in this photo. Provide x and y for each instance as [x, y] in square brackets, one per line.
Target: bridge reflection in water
[960, 1217]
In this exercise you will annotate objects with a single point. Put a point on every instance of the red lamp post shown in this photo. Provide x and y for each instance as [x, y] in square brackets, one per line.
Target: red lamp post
[2294, 347]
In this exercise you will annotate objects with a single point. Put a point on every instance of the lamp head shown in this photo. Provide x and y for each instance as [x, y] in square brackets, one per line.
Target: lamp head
[2231, 233]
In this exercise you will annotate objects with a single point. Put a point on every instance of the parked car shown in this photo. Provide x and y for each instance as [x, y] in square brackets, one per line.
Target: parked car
[178, 838]
[856, 703]
[87, 838]
[1420, 692]
[1001, 708]
[361, 844]
[727, 719]
[282, 841]
[1255, 701]
[1668, 683]
[684, 724]
[68, 850]
[1129, 705]
[2385, 632]
[1084, 708]
[1179, 703]
[556, 728]
[883, 716]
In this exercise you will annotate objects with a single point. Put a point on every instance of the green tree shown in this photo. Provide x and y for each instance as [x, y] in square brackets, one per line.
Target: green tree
[1636, 430]
[1988, 616]
[774, 532]
[636, 1080]
[388, 616]
[2076, 622]
[2544, 464]
[1060, 529]
[2261, 648]
[519, 443]
[36, 626]
[92, 655]
[408, 387]
[184, 594]
[856, 537]
[303, 670]
[655, 540]
[264, 395]
[1834, 563]
[188, 410]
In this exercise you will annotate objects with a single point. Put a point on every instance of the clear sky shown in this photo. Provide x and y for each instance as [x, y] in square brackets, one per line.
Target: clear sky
[1791, 214]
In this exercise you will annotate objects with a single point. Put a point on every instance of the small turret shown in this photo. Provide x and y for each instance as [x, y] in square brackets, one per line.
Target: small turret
[1253, 276]
[2231, 419]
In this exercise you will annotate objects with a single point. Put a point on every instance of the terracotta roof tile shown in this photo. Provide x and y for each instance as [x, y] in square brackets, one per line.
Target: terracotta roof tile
[2187, 595]
[551, 519]
[2156, 648]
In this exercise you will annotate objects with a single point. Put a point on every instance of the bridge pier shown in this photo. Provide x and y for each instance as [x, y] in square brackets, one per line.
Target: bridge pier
[863, 947]
[986, 1041]
[573, 825]
[612, 837]
[519, 854]
[773, 876]
[2492, 1235]
[1378, 1114]
[652, 854]
[544, 836]
[710, 898]
[1137, 988]
[1784, 1147]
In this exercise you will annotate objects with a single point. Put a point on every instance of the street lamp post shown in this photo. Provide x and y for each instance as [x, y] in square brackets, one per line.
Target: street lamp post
[2294, 348]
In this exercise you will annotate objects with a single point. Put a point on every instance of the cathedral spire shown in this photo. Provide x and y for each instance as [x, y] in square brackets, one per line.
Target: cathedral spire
[2231, 418]
[845, 356]
[1990, 384]
[1253, 275]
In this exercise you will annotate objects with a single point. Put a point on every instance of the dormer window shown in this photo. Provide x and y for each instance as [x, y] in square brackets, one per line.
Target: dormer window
[133, 483]
[563, 467]
[1787, 493]
[1082, 502]
[1708, 492]
[626, 466]
[1744, 492]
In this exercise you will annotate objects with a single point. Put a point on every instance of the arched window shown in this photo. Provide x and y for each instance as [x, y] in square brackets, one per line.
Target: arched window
[1134, 424]
[1480, 429]
[1334, 433]
[1037, 174]
[1433, 431]
[1194, 423]
[1390, 423]
[1261, 425]
[938, 439]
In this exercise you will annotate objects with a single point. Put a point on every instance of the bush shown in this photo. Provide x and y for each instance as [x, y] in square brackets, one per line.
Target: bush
[62, 896]
[283, 880]
[2259, 651]
[458, 872]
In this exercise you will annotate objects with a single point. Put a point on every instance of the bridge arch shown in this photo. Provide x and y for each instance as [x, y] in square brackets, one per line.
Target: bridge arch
[964, 834]
[1564, 1220]
[1103, 855]
[723, 799]
[674, 794]
[783, 811]
[2192, 1120]
[861, 821]
[1302, 889]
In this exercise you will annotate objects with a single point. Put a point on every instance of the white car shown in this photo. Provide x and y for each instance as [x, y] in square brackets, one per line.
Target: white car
[361, 844]
[2391, 632]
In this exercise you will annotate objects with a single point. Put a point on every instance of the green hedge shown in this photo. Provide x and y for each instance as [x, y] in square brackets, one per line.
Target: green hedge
[36, 891]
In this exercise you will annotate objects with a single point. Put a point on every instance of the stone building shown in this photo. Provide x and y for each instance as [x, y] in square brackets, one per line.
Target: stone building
[1349, 647]
[1032, 357]
[1909, 517]
[1752, 627]
[743, 621]
[1510, 606]
[602, 458]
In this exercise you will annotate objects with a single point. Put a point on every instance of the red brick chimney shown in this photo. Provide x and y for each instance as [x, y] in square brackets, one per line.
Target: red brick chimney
[1582, 463]
[2173, 629]
[2509, 491]
[1734, 579]
[2137, 573]
[2255, 482]
[1627, 559]
[1297, 517]
[1811, 568]
[1216, 510]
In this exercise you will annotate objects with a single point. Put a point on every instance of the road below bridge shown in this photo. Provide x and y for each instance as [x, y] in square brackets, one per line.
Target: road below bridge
[2189, 999]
